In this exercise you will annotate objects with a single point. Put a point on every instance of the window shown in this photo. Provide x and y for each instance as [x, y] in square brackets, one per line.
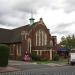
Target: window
[29, 45]
[37, 38]
[51, 43]
[24, 35]
[12, 49]
[41, 38]
[45, 36]
[18, 47]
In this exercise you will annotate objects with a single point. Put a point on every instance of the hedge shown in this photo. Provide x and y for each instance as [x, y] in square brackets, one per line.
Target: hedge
[4, 55]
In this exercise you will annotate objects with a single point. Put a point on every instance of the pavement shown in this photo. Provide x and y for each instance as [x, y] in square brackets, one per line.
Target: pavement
[56, 65]
[7, 69]
[21, 65]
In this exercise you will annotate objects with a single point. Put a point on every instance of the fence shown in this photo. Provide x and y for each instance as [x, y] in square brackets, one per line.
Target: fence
[39, 73]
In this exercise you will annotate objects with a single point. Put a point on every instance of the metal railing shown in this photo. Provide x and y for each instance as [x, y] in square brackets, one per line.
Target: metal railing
[39, 73]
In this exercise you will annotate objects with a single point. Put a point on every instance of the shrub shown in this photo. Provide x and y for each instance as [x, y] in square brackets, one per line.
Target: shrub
[56, 57]
[4, 54]
[35, 57]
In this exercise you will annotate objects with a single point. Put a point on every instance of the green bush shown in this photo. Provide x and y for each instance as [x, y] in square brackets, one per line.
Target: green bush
[4, 55]
[35, 57]
[56, 57]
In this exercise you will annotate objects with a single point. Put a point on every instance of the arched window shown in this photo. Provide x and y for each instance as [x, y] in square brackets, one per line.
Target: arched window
[29, 45]
[41, 38]
[24, 35]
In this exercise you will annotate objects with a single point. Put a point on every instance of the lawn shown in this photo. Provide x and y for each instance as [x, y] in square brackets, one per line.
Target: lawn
[61, 61]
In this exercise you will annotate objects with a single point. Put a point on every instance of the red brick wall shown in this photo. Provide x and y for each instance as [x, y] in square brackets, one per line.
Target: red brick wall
[46, 55]
[33, 35]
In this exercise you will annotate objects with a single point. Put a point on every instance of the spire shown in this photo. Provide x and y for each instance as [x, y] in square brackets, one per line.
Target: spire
[31, 19]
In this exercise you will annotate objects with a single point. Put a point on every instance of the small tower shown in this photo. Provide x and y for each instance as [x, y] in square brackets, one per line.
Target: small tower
[31, 20]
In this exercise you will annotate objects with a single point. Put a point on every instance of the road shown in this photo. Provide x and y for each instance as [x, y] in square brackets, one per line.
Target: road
[38, 69]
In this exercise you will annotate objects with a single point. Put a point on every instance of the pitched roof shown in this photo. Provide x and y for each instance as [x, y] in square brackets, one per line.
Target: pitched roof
[25, 27]
[4, 35]
[14, 35]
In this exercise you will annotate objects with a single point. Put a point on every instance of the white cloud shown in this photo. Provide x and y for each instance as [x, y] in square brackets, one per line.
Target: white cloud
[58, 15]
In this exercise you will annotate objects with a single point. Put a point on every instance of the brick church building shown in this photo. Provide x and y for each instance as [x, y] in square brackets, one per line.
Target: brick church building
[34, 37]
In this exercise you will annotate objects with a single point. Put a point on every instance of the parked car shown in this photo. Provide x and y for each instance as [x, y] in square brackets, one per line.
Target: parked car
[72, 56]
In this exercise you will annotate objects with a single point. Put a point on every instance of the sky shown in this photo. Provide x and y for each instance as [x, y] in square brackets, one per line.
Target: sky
[58, 15]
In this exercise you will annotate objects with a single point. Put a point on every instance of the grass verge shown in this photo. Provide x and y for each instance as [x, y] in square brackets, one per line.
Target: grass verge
[63, 61]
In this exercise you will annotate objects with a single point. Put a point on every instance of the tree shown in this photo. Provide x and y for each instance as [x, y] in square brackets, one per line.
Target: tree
[63, 40]
[68, 42]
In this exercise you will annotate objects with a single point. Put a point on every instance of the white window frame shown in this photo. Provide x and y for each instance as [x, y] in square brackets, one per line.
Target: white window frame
[18, 47]
[36, 39]
[29, 45]
[45, 39]
[41, 41]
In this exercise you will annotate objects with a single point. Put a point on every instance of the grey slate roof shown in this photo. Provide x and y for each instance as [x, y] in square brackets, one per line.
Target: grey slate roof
[4, 35]
[12, 36]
